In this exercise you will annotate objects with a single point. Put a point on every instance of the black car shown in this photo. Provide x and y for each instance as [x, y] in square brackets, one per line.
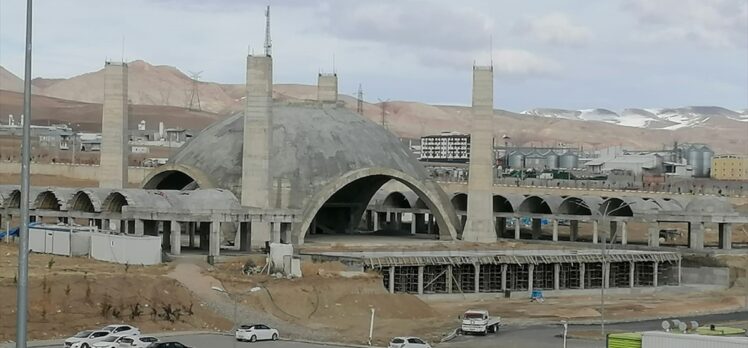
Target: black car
[167, 345]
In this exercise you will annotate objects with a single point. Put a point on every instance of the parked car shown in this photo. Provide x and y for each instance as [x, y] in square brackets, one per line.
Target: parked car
[111, 341]
[137, 341]
[167, 345]
[122, 330]
[256, 332]
[408, 342]
[85, 339]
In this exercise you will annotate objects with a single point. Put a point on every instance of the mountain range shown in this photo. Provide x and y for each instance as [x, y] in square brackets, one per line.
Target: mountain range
[163, 93]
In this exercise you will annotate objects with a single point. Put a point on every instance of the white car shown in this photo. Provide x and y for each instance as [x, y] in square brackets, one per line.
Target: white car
[137, 341]
[257, 332]
[122, 330]
[408, 342]
[111, 341]
[85, 339]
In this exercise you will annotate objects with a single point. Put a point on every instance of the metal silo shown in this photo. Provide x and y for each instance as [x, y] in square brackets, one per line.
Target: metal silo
[692, 156]
[516, 160]
[551, 160]
[568, 160]
[706, 160]
[535, 160]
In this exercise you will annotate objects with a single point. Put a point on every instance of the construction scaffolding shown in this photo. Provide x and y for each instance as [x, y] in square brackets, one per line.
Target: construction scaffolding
[620, 273]
[569, 276]
[464, 276]
[543, 276]
[490, 278]
[406, 279]
[643, 274]
[517, 277]
[593, 275]
[667, 274]
[435, 279]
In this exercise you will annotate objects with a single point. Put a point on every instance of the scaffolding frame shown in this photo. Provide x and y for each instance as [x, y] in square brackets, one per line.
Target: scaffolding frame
[619, 275]
[568, 277]
[643, 274]
[490, 278]
[543, 276]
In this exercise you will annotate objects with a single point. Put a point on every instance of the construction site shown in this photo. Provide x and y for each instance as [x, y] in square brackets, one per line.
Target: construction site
[359, 224]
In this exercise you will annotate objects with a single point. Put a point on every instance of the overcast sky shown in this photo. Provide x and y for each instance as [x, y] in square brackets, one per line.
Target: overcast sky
[547, 53]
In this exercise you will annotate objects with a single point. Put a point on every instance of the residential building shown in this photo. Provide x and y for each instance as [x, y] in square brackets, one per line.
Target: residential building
[730, 167]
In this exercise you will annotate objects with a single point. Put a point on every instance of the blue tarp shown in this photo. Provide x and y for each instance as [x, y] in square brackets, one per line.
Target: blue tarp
[14, 231]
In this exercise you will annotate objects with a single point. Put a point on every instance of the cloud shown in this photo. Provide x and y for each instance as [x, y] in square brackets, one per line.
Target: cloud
[554, 28]
[714, 23]
[410, 23]
[506, 62]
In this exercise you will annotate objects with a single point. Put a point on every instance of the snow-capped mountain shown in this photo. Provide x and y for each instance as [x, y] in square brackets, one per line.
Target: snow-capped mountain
[666, 118]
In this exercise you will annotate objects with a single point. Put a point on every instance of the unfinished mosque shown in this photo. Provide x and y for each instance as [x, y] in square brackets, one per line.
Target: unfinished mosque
[289, 172]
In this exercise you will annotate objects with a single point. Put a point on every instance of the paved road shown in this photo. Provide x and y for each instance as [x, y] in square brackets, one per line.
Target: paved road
[547, 336]
[221, 341]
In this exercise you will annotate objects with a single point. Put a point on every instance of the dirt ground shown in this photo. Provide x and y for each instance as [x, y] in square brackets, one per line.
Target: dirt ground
[326, 299]
[70, 294]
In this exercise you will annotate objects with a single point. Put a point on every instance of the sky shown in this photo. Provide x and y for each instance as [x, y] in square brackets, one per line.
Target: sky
[571, 54]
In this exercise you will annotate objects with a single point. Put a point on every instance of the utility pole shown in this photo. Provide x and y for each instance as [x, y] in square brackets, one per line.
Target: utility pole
[22, 311]
[383, 106]
[360, 101]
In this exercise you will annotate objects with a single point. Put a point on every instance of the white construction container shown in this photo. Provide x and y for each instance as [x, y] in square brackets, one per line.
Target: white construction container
[60, 240]
[656, 339]
[124, 249]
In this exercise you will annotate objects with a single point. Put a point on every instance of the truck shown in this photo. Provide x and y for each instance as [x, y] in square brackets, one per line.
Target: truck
[479, 322]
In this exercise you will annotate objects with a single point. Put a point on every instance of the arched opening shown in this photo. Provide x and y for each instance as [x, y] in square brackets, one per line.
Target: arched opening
[575, 206]
[47, 200]
[341, 208]
[502, 205]
[114, 203]
[82, 202]
[14, 200]
[171, 180]
[615, 207]
[535, 205]
[459, 202]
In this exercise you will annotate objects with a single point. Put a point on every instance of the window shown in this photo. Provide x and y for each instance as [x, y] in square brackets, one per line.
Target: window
[147, 339]
[398, 340]
[415, 340]
[100, 334]
[122, 328]
[128, 340]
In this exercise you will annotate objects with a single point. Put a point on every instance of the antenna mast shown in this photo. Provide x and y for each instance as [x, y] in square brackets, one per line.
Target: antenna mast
[195, 95]
[360, 101]
[268, 43]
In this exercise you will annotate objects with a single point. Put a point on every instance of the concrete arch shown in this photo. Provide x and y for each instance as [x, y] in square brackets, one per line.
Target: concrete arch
[420, 204]
[13, 200]
[506, 203]
[53, 199]
[6, 191]
[535, 205]
[177, 177]
[583, 205]
[708, 205]
[429, 191]
[154, 200]
[88, 200]
[459, 201]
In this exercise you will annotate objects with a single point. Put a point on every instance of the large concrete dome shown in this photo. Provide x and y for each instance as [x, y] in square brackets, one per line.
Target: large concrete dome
[318, 150]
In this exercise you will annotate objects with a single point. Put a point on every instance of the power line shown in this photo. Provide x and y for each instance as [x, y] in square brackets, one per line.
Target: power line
[360, 101]
[383, 106]
[195, 95]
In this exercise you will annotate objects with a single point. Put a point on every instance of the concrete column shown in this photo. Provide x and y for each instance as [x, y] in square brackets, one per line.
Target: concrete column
[431, 224]
[696, 235]
[275, 228]
[204, 234]
[392, 280]
[573, 230]
[581, 275]
[420, 222]
[555, 230]
[191, 232]
[679, 273]
[537, 228]
[725, 236]
[624, 233]
[449, 279]
[260, 233]
[399, 221]
[500, 227]
[594, 231]
[114, 130]
[556, 276]
[376, 220]
[517, 229]
[655, 275]
[503, 277]
[176, 237]
[285, 232]
[413, 224]
[139, 227]
[258, 133]
[420, 280]
[245, 236]
[480, 222]
[477, 277]
[214, 240]
[632, 267]
[530, 276]
[653, 234]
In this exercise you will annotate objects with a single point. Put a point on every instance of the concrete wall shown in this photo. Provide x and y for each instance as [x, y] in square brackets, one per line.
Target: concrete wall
[142, 250]
[718, 276]
[76, 171]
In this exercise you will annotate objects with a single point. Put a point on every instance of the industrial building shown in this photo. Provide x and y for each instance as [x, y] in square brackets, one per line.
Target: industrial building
[730, 167]
[445, 147]
[539, 158]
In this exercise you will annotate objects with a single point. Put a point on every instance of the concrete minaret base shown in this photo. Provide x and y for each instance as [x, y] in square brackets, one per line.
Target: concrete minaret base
[327, 88]
[258, 133]
[480, 222]
[114, 132]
